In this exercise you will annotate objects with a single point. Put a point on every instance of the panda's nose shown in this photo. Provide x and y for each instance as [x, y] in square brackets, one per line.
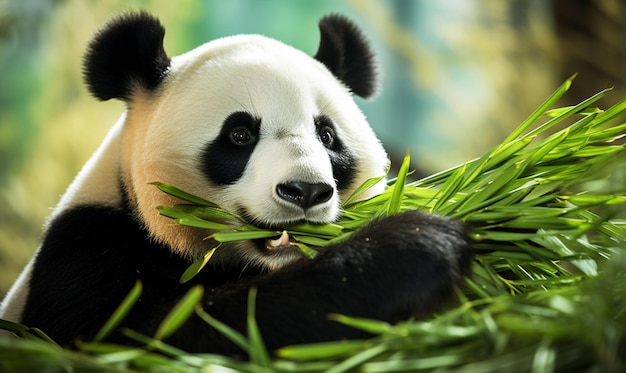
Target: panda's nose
[303, 194]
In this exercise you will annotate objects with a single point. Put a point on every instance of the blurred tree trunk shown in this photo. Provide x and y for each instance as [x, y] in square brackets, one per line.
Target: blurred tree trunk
[592, 43]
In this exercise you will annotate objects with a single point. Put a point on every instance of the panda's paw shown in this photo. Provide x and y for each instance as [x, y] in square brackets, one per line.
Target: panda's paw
[413, 261]
[427, 238]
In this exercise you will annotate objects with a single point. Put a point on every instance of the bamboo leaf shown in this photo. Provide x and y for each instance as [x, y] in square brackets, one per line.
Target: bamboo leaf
[152, 344]
[331, 230]
[258, 353]
[505, 152]
[592, 151]
[616, 111]
[173, 191]
[230, 333]
[122, 310]
[180, 313]
[307, 251]
[245, 235]
[362, 189]
[197, 266]
[395, 204]
[324, 350]
[200, 223]
[358, 359]
[449, 189]
[370, 326]
[206, 212]
[567, 109]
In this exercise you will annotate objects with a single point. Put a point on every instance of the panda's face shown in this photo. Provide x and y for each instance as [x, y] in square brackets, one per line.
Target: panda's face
[257, 127]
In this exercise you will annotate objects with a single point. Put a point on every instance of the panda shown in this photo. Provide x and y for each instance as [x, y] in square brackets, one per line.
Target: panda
[263, 130]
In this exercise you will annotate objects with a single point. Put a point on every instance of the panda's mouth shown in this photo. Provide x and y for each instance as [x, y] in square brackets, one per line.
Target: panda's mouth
[280, 245]
[283, 241]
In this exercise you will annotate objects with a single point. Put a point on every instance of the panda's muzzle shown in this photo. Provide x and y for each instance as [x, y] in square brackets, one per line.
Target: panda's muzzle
[305, 195]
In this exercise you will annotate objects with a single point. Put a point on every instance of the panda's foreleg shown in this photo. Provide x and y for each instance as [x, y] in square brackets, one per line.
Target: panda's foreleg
[90, 258]
[395, 268]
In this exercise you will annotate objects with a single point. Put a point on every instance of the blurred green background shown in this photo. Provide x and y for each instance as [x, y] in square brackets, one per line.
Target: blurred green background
[457, 76]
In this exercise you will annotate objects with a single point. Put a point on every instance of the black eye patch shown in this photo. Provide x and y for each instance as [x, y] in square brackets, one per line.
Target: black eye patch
[343, 163]
[225, 158]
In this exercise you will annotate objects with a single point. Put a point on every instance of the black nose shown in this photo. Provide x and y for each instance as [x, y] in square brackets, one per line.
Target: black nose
[304, 195]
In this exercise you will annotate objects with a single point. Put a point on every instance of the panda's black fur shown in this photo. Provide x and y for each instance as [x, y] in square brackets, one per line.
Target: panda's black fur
[96, 247]
[129, 53]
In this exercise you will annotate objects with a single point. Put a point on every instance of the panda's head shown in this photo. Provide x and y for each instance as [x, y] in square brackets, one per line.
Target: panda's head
[254, 125]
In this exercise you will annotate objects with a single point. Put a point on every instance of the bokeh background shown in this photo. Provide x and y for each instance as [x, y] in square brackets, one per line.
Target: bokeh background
[458, 75]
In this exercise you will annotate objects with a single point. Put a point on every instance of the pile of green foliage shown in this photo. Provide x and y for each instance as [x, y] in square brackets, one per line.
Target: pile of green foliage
[547, 293]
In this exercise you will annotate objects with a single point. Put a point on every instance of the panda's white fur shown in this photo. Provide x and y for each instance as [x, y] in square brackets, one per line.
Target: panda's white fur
[106, 232]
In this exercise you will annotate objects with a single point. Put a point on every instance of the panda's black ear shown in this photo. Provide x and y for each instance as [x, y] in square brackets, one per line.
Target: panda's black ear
[126, 54]
[347, 54]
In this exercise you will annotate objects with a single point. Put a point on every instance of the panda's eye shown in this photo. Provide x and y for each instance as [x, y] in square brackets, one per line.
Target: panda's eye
[240, 129]
[241, 136]
[327, 136]
[326, 132]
